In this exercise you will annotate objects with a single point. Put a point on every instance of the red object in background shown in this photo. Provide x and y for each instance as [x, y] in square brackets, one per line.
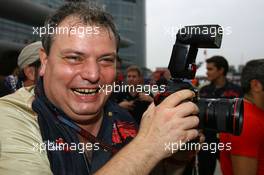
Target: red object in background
[195, 82]
[120, 77]
[123, 130]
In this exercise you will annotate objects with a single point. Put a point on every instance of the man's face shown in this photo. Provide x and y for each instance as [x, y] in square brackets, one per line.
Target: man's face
[74, 69]
[31, 73]
[133, 78]
[212, 72]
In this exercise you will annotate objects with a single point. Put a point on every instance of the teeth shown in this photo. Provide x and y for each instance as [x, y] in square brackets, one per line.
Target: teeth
[85, 91]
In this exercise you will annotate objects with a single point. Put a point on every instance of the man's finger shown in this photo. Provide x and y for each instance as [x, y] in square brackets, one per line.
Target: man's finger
[189, 122]
[176, 98]
[186, 109]
[192, 134]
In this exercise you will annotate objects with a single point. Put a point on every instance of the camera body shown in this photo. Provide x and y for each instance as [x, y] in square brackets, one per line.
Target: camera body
[220, 115]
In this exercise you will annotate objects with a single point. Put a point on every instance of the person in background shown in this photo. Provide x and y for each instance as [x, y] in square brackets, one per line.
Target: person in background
[8, 73]
[29, 64]
[219, 87]
[247, 154]
[135, 102]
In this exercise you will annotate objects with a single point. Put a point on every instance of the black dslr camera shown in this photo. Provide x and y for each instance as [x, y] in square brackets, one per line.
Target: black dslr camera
[220, 115]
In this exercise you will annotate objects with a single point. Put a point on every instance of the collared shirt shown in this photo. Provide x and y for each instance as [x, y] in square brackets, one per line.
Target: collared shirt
[118, 129]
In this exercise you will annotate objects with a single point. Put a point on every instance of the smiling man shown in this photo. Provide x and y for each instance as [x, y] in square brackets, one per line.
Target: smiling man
[75, 66]
[69, 111]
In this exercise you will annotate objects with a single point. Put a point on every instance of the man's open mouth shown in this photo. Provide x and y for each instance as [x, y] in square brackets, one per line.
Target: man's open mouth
[79, 91]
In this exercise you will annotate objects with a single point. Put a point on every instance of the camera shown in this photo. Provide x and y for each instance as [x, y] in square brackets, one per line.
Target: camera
[217, 114]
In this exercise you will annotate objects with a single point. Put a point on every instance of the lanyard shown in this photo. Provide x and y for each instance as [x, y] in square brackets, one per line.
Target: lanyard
[91, 138]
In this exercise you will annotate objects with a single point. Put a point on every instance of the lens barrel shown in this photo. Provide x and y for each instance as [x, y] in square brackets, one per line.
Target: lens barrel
[221, 115]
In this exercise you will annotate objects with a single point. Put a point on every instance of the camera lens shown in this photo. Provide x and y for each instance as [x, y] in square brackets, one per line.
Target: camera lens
[221, 115]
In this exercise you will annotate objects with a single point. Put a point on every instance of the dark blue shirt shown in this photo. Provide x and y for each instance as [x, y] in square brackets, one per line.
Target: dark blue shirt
[118, 129]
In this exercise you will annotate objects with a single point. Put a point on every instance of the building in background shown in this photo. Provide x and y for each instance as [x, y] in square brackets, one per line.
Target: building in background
[129, 16]
[17, 18]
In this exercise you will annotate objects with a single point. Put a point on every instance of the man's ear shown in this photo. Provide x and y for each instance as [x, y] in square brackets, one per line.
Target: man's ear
[43, 59]
[222, 70]
[256, 85]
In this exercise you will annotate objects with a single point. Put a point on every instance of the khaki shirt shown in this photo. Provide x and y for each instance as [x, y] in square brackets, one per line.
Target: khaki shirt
[20, 136]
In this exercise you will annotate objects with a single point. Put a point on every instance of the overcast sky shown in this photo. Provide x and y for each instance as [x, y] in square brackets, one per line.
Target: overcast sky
[243, 21]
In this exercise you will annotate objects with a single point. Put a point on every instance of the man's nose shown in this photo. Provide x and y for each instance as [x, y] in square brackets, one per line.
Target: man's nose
[91, 71]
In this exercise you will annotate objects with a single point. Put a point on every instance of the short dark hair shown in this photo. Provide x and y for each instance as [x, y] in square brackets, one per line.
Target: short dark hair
[87, 12]
[219, 62]
[254, 69]
[134, 68]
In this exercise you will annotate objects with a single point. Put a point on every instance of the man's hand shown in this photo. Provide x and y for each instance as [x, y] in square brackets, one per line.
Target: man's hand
[172, 121]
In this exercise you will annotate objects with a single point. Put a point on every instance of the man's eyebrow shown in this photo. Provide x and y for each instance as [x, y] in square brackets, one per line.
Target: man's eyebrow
[109, 54]
[69, 50]
[77, 52]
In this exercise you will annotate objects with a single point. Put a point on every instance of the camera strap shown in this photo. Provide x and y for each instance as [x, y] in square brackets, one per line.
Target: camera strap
[195, 167]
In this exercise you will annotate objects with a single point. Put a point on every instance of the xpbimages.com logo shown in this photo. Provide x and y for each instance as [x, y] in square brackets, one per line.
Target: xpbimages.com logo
[173, 147]
[73, 30]
[195, 30]
[60, 145]
[147, 89]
